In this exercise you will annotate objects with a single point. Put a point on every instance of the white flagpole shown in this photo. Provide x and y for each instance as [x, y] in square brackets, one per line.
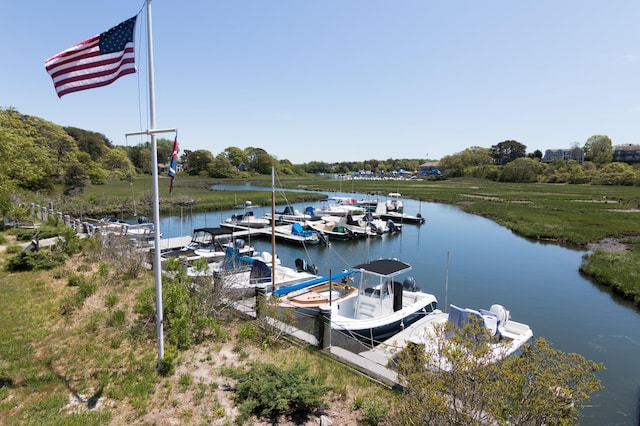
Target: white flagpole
[156, 193]
[156, 198]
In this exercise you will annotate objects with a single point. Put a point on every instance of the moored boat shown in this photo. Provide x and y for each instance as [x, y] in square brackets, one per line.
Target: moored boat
[211, 244]
[383, 305]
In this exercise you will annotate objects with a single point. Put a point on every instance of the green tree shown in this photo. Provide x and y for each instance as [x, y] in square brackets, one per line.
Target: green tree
[118, 163]
[507, 151]
[94, 144]
[260, 161]
[221, 167]
[76, 176]
[599, 149]
[616, 174]
[541, 386]
[236, 156]
[198, 161]
[165, 149]
[522, 170]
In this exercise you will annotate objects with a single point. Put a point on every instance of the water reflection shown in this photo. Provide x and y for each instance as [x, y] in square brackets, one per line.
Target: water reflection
[537, 281]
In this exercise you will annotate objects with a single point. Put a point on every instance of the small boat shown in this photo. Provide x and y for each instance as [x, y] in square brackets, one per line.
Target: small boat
[383, 212]
[311, 298]
[331, 229]
[295, 233]
[237, 272]
[383, 306]
[211, 244]
[141, 229]
[247, 219]
[339, 206]
[504, 336]
[377, 225]
[290, 215]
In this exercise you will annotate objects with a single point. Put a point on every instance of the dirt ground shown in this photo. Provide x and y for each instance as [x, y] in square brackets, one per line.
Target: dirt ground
[609, 245]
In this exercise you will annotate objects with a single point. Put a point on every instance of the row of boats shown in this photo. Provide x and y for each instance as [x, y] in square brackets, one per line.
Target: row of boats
[373, 302]
[339, 218]
[370, 302]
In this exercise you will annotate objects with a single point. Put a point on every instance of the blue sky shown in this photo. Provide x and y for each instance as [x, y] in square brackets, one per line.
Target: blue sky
[346, 80]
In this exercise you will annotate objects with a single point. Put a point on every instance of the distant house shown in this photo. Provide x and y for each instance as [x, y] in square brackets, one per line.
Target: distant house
[164, 168]
[576, 154]
[627, 153]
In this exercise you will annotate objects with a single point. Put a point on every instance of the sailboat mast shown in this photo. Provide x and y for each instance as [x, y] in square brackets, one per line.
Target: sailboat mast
[156, 203]
[273, 229]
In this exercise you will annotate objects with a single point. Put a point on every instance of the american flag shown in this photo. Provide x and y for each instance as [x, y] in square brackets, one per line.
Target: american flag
[173, 163]
[95, 62]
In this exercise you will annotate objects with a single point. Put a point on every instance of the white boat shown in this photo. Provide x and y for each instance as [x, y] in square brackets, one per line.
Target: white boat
[238, 272]
[377, 225]
[211, 244]
[383, 306]
[503, 337]
[289, 215]
[247, 219]
[339, 206]
[309, 296]
[295, 233]
[333, 230]
[506, 336]
[395, 203]
[141, 229]
[382, 211]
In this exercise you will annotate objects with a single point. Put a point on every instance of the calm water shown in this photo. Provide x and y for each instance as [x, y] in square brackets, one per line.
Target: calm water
[539, 283]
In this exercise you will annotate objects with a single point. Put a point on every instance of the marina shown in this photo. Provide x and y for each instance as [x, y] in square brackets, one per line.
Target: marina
[539, 282]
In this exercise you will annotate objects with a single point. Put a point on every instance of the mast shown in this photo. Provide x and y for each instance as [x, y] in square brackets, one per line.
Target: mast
[273, 230]
[156, 203]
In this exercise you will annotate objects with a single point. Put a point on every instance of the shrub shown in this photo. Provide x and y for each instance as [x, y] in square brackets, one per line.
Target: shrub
[32, 261]
[270, 391]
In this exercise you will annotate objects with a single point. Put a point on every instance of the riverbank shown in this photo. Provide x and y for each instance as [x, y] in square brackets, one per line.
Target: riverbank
[582, 216]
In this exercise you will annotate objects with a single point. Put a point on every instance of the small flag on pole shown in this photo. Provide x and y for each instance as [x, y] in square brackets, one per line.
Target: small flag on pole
[173, 163]
[95, 62]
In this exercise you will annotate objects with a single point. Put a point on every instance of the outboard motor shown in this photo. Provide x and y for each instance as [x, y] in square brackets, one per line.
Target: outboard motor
[309, 211]
[397, 296]
[392, 226]
[502, 313]
[238, 243]
[143, 219]
[303, 266]
[410, 284]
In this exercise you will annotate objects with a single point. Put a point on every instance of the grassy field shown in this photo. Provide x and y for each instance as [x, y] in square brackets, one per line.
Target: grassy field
[75, 351]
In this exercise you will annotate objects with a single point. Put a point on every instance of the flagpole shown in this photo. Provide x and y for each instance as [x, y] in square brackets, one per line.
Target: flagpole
[156, 203]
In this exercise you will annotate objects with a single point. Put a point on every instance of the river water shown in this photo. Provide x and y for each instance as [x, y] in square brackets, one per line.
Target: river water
[472, 262]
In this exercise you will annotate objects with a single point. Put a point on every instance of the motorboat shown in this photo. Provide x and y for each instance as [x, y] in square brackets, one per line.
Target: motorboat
[289, 215]
[141, 228]
[309, 296]
[333, 230]
[339, 206]
[383, 306]
[211, 244]
[247, 219]
[238, 272]
[384, 212]
[503, 337]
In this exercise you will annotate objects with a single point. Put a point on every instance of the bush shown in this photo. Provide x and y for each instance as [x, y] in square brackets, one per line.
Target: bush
[270, 391]
[33, 261]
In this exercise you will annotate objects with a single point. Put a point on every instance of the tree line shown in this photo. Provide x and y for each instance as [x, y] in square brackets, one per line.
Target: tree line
[39, 154]
[508, 161]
